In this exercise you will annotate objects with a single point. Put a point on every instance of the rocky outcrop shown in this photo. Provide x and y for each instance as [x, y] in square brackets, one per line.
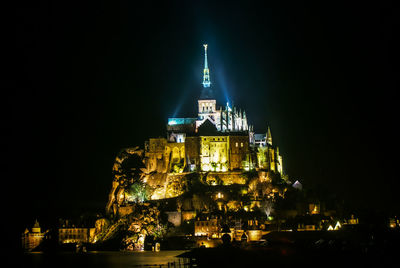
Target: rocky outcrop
[144, 221]
[134, 183]
[126, 170]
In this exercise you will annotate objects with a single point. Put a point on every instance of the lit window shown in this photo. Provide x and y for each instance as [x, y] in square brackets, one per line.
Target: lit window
[241, 144]
[237, 144]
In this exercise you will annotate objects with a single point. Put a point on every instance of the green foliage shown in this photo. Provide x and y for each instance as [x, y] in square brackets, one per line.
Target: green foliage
[158, 231]
[138, 192]
[178, 167]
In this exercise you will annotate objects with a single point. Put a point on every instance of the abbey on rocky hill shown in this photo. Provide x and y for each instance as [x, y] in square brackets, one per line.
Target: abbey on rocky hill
[218, 146]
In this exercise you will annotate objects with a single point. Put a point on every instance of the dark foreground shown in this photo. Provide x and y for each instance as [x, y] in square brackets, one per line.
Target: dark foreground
[284, 249]
[349, 248]
[100, 259]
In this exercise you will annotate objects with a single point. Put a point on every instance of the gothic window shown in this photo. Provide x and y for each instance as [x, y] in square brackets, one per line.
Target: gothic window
[237, 144]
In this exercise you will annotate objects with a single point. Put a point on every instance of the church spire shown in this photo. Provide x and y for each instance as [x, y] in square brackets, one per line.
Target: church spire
[206, 71]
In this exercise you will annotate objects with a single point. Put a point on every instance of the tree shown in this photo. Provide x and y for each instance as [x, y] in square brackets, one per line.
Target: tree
[138, 192]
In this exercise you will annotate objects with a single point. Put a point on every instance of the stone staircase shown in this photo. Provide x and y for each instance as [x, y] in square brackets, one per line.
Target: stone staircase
[112, 231]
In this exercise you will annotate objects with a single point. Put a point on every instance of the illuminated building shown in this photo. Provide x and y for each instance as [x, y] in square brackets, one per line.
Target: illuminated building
[225, 119]
[394, 222]
[70, 233]
[352, 221]
[219, 139]
[74, 235]
[30, 240]
[210, 227]
[314, 208]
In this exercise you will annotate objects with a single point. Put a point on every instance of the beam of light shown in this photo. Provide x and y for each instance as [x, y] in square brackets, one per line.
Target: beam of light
[223, 85]
[177, 109]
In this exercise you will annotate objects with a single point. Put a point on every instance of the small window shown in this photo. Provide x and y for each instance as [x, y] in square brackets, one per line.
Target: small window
[241, 144]
[237, 144]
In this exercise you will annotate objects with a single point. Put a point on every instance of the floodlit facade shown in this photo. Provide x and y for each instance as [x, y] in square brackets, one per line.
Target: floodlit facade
[32, 239]
[207, 227]
[74, 235]
[70, 233]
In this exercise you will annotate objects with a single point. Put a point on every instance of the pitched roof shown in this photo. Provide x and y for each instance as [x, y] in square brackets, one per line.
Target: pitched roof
[208, 129]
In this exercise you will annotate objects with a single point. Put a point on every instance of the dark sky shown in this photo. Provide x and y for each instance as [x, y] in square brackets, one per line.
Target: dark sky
[93, 78]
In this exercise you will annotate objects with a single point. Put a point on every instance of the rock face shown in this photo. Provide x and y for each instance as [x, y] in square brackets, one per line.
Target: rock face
[144, 221]
[126, 171]
[134, 183]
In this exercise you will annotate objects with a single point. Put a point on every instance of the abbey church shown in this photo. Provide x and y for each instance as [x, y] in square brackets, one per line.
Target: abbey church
[218, 139]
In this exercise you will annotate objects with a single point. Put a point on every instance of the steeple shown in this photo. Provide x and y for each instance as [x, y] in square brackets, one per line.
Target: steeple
[36, 227]
[206, 71]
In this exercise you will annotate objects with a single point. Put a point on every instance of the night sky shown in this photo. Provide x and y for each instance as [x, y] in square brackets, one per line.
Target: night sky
[93, 78]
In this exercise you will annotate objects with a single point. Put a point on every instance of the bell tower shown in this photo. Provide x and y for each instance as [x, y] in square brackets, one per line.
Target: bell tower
[207, 102]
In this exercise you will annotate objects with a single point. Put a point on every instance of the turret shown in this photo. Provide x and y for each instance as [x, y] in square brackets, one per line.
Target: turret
[268, 137]
[244, 121]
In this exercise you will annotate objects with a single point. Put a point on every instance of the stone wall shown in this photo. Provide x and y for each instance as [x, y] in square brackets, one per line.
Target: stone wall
[227, 178]
[239, 149]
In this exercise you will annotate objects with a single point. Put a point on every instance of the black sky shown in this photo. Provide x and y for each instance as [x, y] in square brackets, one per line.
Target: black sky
[95, 77]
